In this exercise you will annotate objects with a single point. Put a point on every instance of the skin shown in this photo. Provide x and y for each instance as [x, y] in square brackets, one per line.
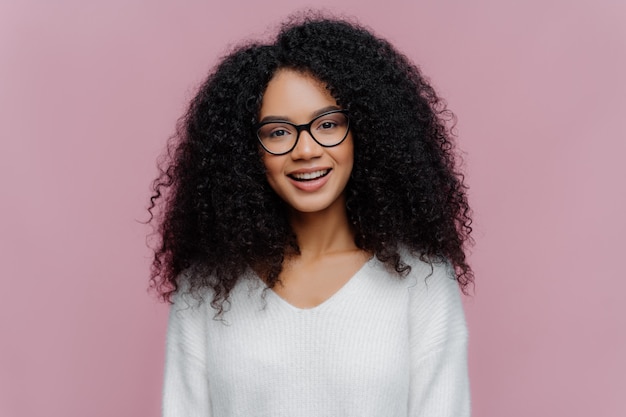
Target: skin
[328, 256]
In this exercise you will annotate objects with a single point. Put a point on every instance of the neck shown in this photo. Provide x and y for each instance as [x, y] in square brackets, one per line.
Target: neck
[323, 232]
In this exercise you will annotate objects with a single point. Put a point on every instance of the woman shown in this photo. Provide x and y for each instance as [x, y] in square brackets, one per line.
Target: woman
[313, 230]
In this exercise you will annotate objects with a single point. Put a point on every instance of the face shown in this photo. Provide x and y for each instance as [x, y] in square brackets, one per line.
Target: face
[311, 178]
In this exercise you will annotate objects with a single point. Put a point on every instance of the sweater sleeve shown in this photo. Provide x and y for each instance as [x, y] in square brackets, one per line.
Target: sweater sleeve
[439, 385]
[185, 387]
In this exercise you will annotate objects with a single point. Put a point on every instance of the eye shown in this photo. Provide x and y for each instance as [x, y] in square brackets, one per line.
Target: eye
[330, 123]
[327, 124]
[276, 133]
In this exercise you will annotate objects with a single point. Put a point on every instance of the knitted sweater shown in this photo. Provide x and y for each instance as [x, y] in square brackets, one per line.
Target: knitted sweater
[381, 346]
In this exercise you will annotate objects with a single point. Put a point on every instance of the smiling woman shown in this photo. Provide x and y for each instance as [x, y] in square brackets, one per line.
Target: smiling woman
[309, 177]
[313, 231]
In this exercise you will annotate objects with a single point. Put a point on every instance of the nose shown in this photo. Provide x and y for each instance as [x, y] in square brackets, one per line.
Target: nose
[306, 147]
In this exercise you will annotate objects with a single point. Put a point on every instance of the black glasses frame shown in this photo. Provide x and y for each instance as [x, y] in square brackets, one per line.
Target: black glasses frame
[305, 127]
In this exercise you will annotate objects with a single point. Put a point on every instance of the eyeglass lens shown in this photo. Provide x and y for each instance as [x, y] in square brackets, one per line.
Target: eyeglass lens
[328, 130]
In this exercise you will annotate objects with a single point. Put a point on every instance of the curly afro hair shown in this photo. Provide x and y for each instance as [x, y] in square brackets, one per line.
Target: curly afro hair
[217, 215]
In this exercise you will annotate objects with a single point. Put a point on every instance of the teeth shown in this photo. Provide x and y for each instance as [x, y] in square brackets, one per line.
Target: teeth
[310, 175]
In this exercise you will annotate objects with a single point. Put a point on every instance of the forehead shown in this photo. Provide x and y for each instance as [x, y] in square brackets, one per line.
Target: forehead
[295, 95]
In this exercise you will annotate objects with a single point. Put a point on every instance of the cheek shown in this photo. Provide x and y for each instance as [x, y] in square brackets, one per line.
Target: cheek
[268, 164]
[273, 168]
[345, 155]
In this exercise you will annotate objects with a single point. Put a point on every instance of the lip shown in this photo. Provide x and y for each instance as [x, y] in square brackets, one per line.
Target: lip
[310, 185]
[308, 170]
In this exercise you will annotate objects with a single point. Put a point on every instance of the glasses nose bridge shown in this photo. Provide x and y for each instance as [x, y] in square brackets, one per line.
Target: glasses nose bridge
[307, 128]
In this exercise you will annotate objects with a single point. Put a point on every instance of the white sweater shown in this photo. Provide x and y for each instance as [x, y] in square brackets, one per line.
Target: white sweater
[381, 346]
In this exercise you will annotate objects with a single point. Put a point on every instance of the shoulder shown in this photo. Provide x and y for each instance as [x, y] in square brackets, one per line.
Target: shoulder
[190, 304]
[434, 296]
[188, 311]
[426, 272]
[425, 276]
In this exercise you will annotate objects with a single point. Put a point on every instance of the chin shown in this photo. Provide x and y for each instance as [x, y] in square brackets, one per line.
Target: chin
[324, 205]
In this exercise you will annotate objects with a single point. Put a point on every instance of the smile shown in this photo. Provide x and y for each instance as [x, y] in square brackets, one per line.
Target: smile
[308, 176]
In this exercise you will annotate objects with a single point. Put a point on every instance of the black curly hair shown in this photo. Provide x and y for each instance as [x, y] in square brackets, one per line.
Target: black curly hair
[217, 215]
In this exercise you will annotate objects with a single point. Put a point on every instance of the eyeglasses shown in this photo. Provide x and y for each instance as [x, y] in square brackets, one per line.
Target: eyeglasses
[280, 137]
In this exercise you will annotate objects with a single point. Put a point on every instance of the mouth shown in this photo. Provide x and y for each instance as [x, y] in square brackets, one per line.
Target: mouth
[309, 176]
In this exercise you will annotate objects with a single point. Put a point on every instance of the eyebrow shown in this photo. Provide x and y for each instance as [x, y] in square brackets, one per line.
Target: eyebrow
[316, 113]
